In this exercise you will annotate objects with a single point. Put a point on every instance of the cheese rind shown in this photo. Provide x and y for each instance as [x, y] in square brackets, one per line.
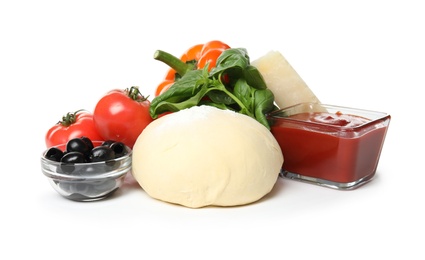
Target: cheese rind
[205, 156]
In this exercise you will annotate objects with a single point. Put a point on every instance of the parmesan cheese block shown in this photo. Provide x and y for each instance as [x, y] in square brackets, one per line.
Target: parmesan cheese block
[282, 79]
[205, 156]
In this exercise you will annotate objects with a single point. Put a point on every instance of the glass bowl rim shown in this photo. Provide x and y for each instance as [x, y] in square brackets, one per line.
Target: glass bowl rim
[113, 173]
[380, 116]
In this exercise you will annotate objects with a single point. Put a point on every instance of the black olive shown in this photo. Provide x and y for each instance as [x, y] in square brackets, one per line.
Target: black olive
[73, 157]
[105, 185]
[88, 142]
[78, 145]
[107, 142]
[54, 154]
[77, 197]
[101, 153]
[119, 149]
[69, 159]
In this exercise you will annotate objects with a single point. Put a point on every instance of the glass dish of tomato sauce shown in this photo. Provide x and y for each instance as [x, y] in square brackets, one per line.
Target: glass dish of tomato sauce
[332, 146]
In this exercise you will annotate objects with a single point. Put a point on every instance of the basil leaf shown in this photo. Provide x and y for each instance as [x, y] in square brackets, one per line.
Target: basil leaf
[187, 88]
[245, 94]
[235, 59]
[217, 96]
[254, 77]
[264, 103]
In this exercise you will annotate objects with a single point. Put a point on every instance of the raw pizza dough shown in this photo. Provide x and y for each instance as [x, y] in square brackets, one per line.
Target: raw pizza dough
[205, 156]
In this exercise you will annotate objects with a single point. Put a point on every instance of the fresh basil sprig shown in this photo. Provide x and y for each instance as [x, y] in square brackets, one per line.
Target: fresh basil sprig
[244, 90]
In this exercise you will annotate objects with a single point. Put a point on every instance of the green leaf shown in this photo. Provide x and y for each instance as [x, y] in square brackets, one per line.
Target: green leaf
[264, 103]
[254, 77]
[245, 94]
[218, 96]
[235, 59]
[184, 89]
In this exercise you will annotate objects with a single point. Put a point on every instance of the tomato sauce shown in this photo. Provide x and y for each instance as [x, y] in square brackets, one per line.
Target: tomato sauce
[335, 147]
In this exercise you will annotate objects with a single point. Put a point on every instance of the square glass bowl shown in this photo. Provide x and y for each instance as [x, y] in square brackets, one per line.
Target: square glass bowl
[87, 181]
[332, 146]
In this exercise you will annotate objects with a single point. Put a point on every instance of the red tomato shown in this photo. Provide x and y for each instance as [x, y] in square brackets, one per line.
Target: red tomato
[73, 125]
[121, 115]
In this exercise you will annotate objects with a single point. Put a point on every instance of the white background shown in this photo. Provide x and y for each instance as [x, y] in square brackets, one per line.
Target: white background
[58, 57]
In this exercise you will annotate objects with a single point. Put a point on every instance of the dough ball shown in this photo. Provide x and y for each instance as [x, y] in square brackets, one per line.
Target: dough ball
[205, 156]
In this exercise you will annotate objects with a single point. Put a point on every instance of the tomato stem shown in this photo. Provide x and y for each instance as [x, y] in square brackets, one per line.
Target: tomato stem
[70, 118]
[134, 94]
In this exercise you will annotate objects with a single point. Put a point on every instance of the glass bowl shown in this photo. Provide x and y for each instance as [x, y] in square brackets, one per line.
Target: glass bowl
[333, 146]
[87, 181]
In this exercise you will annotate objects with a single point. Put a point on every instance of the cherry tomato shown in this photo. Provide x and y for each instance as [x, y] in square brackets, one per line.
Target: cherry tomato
[72, 125]
[121, 115]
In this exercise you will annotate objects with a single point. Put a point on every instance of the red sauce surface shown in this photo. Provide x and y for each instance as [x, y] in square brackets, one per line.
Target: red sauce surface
[337, 147]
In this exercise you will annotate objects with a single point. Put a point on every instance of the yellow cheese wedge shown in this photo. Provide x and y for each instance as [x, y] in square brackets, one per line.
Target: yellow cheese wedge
[282, 79]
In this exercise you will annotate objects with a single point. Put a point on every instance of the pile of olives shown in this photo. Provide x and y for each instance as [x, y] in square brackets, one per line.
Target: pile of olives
[82, 150]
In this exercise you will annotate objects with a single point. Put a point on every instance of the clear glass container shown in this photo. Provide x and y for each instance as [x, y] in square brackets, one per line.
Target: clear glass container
[87, 181]
[332, 146]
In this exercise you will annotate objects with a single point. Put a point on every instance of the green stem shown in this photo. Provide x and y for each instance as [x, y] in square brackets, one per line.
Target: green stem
[223, 88]
[241, 105]
[178, 65]
[70, 118]
[134, 94]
